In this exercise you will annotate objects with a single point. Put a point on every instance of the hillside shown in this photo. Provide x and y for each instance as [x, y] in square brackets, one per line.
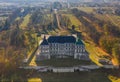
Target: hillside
[21, 32]
[78, 21]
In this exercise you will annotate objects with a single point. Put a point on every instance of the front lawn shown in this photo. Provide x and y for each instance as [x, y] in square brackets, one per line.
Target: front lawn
[67, 62]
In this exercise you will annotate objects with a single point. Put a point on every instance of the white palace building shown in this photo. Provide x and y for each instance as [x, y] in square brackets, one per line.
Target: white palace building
[62, 47]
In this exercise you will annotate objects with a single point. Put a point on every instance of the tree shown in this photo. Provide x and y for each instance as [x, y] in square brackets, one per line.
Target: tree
[106, 27]
[65, 21]
[6, 25]
[116, 53]
[57, 5]
[17, 38]
[117, 11]
[73, 27]
[40, 17]
[110, 29]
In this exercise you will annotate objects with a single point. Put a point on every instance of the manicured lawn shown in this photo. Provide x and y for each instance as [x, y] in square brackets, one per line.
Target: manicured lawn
[67, 62]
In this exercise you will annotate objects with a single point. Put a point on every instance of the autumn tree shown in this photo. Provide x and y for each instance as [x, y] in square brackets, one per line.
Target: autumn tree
[116, 53]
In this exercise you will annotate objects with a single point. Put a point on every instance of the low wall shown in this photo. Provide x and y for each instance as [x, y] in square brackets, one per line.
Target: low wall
[63, 70]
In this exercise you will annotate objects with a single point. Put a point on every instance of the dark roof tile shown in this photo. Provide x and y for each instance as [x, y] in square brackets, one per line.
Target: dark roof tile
[79, 42]
[44, 42]
[61, 39]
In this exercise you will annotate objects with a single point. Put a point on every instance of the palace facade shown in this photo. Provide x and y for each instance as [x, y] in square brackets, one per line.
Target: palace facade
[62, 47]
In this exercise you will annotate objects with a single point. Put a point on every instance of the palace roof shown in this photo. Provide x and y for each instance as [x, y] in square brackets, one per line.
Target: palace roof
[79, 42]
[61, 39]
[44, 42]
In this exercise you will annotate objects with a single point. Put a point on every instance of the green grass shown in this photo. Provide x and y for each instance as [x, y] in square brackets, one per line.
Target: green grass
[73, 19]
[64, 32]
[114, 19]
[3, 18]
[18, 18]
[52, 32]
[86, 9]
[67, 62]
[91, 76]
[25, 21]
[32, 62]
[95, 76]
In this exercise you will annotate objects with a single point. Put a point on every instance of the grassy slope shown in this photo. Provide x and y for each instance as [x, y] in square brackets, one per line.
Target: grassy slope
[18, 18]
[86, 9]
[106, 17]
[32, 62]
[25, 21]
[73, 19]
[110, 18]
[95, 52]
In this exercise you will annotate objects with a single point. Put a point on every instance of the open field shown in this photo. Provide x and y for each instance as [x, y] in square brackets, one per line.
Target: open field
[86, 9]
